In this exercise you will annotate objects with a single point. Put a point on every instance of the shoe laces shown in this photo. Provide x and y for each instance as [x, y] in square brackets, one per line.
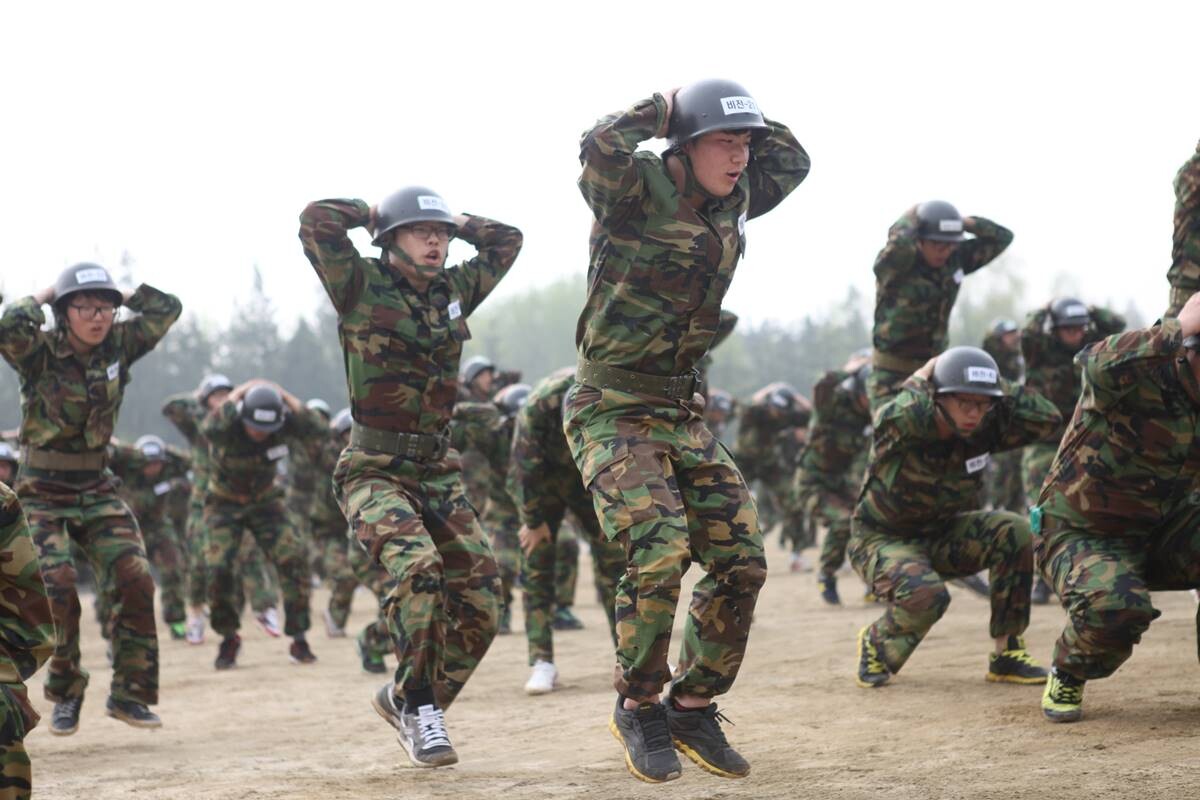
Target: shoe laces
[656, 730]
[69, 706]
[1064, 692]
[715, 717]
[431, 722]
[1021, 655]
[874, 662]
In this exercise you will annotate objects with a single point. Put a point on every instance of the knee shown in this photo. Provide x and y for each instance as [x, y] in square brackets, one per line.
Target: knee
[1121, 615]
[924, 597]
[1014, 537]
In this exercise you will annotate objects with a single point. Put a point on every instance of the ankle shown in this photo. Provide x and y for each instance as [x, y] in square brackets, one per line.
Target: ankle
[630, 704]
[689, 702]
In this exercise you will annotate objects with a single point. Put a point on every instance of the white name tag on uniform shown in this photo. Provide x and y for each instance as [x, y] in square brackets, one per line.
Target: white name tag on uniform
[91, 276]
[455, 309]
[742, 224]
[427, 202]
[978, 463]
[277, 452]
[739, 104]
[959, 275]
[161, 488]
[114, 370]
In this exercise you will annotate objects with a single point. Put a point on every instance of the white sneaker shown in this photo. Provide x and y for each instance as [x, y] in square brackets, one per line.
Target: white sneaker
[800, 563]
[269, 621]
[195, 630]
[332, 629]
[544, 678]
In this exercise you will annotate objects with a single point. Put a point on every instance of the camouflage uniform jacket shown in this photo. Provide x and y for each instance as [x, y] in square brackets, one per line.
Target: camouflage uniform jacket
[1185, 248]
[1050, 365]
[659, 268]
[917, 481]
[912, 299]
[401, 346]
[69, 402]
[147, 497]
[766, 433]
[839, 434]
[481, 428]
[1010, 362]
[325, 511]
[186, 413]
[26, 626]
[1131, 454]
[242, 469]
[541, 459]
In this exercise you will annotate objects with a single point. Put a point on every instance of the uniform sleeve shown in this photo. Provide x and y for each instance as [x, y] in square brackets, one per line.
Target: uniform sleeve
[1106, 321]
[497, 246]
[527, 467]
[305, 426]
[1028, 417]
[908, 416]
[990, 241]
[778, 164]
[156, 313]
[1034, 337]
[180, 410]
[900, 251]
[220, 421]
[323, 233]
[26, 627]
[1114, 366]
[21, 337]
[612, 183]
[178, 463]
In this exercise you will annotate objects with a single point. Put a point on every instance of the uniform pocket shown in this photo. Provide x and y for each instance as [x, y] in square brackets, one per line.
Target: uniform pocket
[623, 492]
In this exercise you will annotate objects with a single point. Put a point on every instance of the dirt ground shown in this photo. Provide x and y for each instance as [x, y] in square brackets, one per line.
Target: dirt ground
[269, 729]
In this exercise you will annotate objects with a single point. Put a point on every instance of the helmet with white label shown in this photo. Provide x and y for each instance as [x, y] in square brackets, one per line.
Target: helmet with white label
[85, 277]
[410, 204]
[214, 382]
[712, 105]
[1067, 312]
[262, 409]
[321, 407]
[471, 368]
[8, 454]
[939, 221]
[341, 423]
[967, 370]
[152, 447]
[511, 398]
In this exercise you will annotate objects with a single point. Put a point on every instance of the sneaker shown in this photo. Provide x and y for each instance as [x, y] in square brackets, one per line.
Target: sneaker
[332, 629]
[800, 563]
[1040, 594]
[1015, 665]
[828, 586]
[301, 653]
[64, 720]
[228, 652]
[268, 620]
[1063, 699]
[132, 713]
[565, 620]
[505, 627]
[372, 661]
[645, 734]
[872, 672]
[422, 734]
[178, 631]
[976, 584]
[697, 734]
[544, 678]
[195, 630]
[387, 705]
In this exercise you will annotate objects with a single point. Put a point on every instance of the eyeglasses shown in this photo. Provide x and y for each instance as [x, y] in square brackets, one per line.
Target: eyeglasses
[91, 312]
[443, 232]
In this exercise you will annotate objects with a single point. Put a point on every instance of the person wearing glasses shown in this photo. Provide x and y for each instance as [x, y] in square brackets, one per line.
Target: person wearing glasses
[402, 322]
[73, 378]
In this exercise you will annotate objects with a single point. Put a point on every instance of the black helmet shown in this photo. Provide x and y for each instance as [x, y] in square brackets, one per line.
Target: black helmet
[781, 395]
[262, 409]
[473, 366]
[213, 383]
[1067, 312]
[321, 407]
[939, 221]
[968, 370]
[712, 105]
[410, 204]
[85, 277]
[152, 447]
[1003, 326]
[8, 454]
[341, 422]
[720, 400]
[510, 399]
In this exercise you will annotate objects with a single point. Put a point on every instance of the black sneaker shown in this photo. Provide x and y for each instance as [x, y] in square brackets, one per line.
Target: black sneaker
[645, 734]
[872, 672]
[228, 652]
[1041, 594]
[565, 620]
[1015, 665]
[64, 720]
[697, 734]
[372, 661]
[828, 586]
[133, 713]
[301, 653]
[505, 627]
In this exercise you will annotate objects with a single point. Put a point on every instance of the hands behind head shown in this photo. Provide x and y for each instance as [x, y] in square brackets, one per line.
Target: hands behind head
[926, 371]
[1189, 316]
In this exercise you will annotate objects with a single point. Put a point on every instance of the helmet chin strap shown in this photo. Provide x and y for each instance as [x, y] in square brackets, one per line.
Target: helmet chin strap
[421, 270]
[691, 186]
[949, 420]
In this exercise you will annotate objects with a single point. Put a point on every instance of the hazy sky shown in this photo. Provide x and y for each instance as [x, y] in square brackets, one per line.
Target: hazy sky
[193, 138]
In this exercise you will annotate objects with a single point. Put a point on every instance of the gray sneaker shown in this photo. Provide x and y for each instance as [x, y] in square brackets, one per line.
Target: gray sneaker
[646, 736]
[422, 734]
[698, 735]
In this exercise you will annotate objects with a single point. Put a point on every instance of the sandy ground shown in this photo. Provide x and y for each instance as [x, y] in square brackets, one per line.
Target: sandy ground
[270, 729]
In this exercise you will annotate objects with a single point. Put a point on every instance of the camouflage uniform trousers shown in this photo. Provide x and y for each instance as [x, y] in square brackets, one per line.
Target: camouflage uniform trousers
[443, 605]
[883, 385]
[566, 559]
[99, 521]
[1036, 459]
[347, 566]
[167, 557]
[254, 580]
[541, 574]
[831, 507]
[910, 573]
[502, 523]
[670, 493]
[1004, 482]
[228, 524]
[1105, 583]
[17, 718]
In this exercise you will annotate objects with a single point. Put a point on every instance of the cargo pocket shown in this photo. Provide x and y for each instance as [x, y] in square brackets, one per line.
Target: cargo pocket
[621, 491]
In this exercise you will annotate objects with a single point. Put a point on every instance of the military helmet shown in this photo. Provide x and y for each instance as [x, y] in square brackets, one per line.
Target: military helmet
[967, 370]
[152, 447]
[321, 407]
[1067, 312]
[721, 400]
[262, 409]
[8, 454]
[939, 221]
[856, 383]
[85, 277]
[510, 399]
[712, 105]
[341, 422]
[410, 204]
[473, 366]
[783, 396]
[213, 383]
[1003, 326]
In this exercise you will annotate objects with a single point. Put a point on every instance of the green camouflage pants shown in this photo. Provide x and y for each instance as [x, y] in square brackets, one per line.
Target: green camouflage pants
[99, 521]
[670, 493]
[501, 521]
[165, 554]
[255, 580]
[566, 559]
[1036, 459]
[831, 508]
[1105, 584]
[883, 385]
[1003, 482]
[443, 606]
[541, 573]
[347, 566]
[268, 522]
[910, 573]
[17, 719]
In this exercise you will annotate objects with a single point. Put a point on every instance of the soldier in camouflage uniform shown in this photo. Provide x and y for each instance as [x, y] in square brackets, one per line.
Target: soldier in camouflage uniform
[1184, 274]
[917, 277]
[8, 464]
[719, 411]
[545, 483]
[303, 477]
[918, 523]
[26, 641]
[256, 427]
[832, 464]
[402, 321]
[1118, 517]
[1002, 478]
[72, 381]
[475, 378]
[668, 234]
